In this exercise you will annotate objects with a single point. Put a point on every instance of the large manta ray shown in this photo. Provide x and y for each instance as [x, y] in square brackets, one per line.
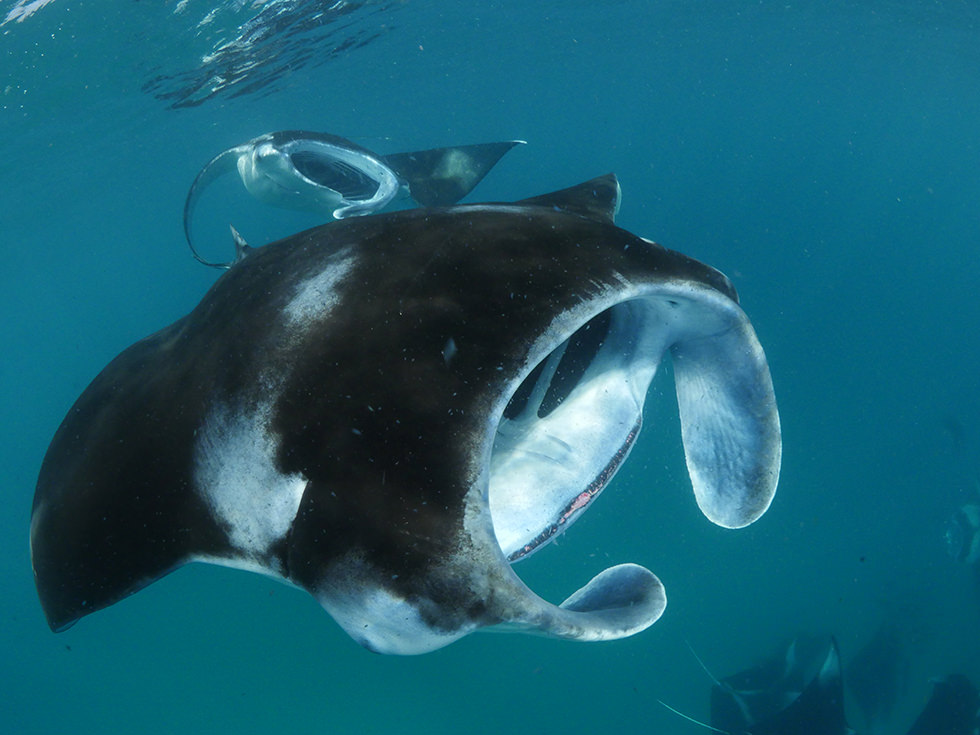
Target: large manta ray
[387, 411]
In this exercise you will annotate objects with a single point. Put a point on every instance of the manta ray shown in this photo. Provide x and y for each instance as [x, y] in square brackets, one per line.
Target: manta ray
[798, 693]
[390, 411]
[953, 708]
[332, 176]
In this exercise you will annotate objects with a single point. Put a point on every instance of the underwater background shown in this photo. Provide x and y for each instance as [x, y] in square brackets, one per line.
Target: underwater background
[825, 155]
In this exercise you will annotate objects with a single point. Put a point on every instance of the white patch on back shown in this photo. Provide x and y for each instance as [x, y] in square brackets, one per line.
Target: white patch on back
[234, 458]
[377, 618]
[234, 471]
[315, 297]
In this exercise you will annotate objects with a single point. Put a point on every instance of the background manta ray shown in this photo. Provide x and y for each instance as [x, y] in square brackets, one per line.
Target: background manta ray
[800, 691]
[877, 675]
[797, 693]
[328, 175]
[953, 708]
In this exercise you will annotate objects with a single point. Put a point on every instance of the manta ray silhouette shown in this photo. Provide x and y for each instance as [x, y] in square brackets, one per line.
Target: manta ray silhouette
[953, 709]
[799, 693]
[387, 411]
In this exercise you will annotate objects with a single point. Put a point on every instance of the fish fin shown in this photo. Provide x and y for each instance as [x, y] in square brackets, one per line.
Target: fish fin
[440, 177]
[597, 199]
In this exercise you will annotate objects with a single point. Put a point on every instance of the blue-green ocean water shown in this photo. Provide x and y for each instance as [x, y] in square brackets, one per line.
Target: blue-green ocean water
[825, 155]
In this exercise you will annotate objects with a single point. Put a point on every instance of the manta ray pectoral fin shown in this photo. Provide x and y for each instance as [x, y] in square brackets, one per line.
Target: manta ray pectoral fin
[218, 166]
[442, 176]
[729, 421]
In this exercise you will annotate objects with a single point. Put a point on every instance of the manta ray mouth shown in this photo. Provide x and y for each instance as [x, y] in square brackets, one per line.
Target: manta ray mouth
[570, 424]
[580, 502]
[348, 181]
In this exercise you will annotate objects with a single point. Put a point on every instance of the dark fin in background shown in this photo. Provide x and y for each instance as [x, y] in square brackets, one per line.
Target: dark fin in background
[440, 177]
[596, 199]
[738, 701]
[781, 697]
[877, 675]
[951, 710]
[819, 710]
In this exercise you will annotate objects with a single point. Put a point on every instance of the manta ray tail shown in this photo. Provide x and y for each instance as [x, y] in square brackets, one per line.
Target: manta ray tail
[440, 177]
[218, 166]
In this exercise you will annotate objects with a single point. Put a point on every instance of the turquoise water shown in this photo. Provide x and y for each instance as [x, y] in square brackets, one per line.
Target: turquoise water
[824, 155]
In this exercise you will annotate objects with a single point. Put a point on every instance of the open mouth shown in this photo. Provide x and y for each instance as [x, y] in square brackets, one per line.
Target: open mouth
[569, 420]
[348, 181]
[570, 424]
